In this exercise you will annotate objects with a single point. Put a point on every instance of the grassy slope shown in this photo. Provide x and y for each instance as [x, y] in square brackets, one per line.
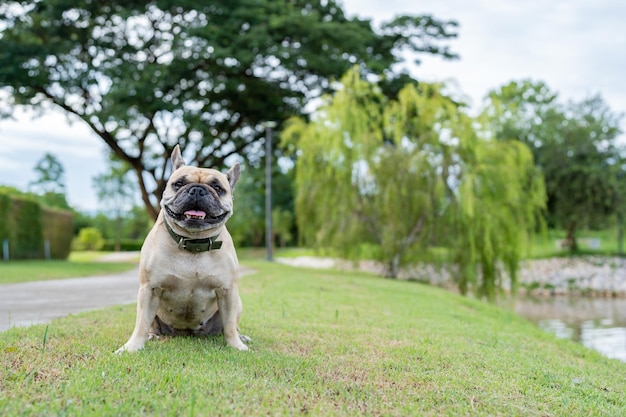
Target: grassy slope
[325, 343]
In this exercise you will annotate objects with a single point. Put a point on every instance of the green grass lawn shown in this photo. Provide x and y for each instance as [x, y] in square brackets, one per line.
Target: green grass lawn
[324, 343]
[87, 263]
[80, 264]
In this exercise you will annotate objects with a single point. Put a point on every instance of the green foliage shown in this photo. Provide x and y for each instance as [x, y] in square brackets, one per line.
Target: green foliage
[204, 75]
[49, 176]
[576, 147]
[282, 226]
[5, 205]
[54, 200]
[325, 202]
[124, 245]
[27, 223]
[116, 190]
[57, 231]
[89, 238]
[501, 196]
[392, 178]
[25, 229]
[247, 226]
[48, 188]
[50, 199]
[82, 220]
[135, 225]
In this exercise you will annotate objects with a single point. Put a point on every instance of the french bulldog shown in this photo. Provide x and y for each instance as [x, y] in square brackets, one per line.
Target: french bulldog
[188, 269]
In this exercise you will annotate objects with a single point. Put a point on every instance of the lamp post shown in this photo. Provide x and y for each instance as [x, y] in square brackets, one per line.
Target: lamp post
[268, 189]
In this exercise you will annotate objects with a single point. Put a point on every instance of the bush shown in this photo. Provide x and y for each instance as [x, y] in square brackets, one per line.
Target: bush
[89, 238]
[126, 245]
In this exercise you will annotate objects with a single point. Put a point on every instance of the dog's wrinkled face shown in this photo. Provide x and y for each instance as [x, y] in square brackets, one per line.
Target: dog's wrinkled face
[198, 199]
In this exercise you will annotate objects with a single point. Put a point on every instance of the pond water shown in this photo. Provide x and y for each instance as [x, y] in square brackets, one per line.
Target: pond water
[598, 323]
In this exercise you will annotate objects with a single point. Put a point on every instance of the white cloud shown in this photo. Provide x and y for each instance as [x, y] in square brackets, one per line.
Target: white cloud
[572, 45]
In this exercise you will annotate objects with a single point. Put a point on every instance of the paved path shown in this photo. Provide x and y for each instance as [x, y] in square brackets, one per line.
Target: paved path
[41, 301]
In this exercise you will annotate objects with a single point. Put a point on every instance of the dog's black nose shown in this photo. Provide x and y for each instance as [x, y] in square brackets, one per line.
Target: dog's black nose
[197, 191]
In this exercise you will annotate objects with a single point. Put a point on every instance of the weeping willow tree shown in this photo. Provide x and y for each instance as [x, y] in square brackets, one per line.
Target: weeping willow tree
[392, 179]
[498, 205]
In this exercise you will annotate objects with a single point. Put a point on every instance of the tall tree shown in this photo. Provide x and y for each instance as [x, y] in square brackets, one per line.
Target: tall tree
[392, 179]
[117, 193]
[145, 75]
[49, 182]
[576, 146]
[50, 175]
[247, 226]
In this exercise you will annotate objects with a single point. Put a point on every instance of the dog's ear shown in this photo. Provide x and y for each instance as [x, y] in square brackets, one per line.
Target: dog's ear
[177, 159]
[233, 175]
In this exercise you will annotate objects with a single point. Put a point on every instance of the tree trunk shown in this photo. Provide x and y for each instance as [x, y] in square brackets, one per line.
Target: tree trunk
[153, 212]
[393, 267]
[118, 233]
[620, 233]
[570, 239]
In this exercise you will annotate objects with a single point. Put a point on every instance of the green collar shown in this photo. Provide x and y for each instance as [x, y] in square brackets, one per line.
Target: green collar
[194, 245]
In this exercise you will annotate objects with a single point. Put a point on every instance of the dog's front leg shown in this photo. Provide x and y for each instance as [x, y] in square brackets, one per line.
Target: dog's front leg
[229, 305]
[147, 306]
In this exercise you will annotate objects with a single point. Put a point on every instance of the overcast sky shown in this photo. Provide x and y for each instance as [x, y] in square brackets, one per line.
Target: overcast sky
[577, 47]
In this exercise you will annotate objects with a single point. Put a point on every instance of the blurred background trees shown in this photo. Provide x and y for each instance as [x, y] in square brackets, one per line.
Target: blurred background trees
[397, 179]
[575, 144]
[145, 76]
[49, 182]
[380, 158]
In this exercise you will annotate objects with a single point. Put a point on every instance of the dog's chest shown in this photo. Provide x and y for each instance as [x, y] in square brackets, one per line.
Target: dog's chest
[187, 303]
[186, 283]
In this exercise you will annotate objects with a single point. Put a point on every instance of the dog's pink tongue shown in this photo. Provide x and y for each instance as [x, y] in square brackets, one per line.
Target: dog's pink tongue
[195, 214]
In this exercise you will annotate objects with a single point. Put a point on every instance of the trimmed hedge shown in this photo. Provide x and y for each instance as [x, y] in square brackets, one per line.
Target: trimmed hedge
[27, 225]
[5, 205]
[58, 227]
[126, 245]
[25, 230]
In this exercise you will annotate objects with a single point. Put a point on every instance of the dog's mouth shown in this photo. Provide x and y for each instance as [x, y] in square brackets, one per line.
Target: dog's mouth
[198, 216]
[194, 214]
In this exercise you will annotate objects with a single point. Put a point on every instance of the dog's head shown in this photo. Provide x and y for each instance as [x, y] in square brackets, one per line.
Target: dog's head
[198, 199]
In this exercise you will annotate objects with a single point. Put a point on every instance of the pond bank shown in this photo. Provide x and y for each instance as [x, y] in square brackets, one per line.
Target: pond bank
[597, 276]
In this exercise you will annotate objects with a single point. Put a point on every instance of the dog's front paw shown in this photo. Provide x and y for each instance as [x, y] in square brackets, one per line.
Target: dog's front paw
[241, 347]
[237, 344]
[129, 347]
[120, 350]
[245, 339]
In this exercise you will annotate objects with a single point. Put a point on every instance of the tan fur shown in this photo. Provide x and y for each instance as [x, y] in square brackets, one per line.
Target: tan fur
[186, 289]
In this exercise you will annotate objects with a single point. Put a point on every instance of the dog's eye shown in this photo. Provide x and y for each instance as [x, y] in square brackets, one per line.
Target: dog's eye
[178, 184]
[218, 188]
